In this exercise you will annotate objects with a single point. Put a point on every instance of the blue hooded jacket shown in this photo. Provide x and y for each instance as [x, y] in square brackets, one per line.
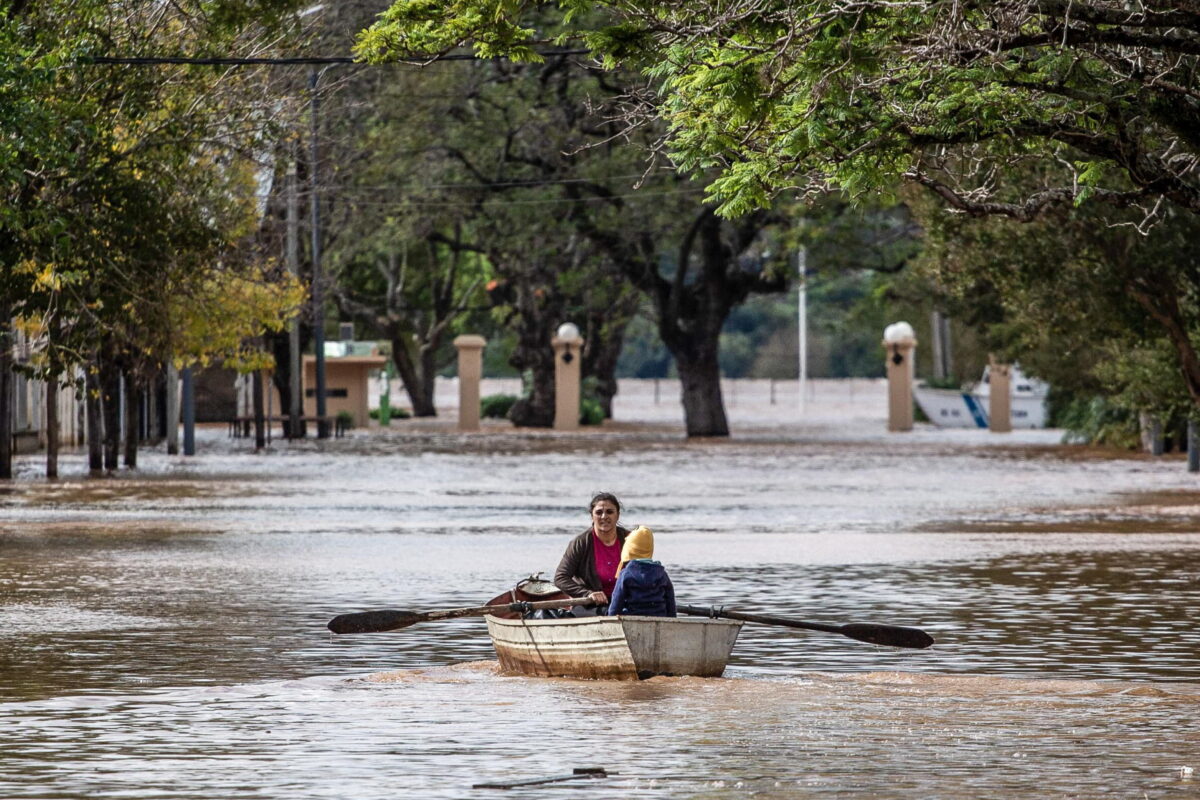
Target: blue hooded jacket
[643, 589]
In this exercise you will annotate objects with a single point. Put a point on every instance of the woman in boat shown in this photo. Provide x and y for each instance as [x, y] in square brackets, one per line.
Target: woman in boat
[643, 587]
[589, 566]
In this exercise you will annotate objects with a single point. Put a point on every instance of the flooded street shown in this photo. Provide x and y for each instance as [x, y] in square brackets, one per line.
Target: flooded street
[162, 632]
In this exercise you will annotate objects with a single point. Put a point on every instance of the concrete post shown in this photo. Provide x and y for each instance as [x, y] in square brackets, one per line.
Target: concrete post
[568, 346]
[470, 373]
[1193, 447]
[999, 397]
[189, 412]
[172, 409]
[901, 347]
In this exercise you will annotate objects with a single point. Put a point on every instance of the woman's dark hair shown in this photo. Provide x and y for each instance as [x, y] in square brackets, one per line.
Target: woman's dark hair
[602, 496]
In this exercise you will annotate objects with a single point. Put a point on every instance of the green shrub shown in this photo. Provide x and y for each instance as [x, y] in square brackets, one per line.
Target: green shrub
[590, 411]
[345, 419]
[395, 412]
[1095, 420]
[497, 406]
[943, 383]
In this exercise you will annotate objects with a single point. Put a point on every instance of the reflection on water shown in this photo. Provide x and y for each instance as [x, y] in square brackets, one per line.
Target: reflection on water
[167, 631]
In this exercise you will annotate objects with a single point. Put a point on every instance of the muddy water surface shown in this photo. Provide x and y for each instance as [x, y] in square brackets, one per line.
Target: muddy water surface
[163, 635]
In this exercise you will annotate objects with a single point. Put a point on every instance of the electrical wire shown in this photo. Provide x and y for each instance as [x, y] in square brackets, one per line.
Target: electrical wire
[139, 61]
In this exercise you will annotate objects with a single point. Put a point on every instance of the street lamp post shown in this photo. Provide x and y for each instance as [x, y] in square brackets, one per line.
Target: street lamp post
[568, 346]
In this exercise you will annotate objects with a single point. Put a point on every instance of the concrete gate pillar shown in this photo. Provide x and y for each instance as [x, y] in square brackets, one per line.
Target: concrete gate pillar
[901, 344]
[470, 373]
[999, 397]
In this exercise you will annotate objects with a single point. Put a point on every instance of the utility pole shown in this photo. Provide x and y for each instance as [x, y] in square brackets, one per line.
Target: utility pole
[318, 298]
[802, 321]
[189, 412]
[172, 409]
[293, 263]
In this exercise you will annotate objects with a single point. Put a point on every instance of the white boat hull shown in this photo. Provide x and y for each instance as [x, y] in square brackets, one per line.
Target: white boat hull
[951, 408]
[948, 408]
[614, 648]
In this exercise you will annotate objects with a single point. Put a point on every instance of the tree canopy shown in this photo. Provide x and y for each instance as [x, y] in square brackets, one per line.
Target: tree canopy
[787, 95]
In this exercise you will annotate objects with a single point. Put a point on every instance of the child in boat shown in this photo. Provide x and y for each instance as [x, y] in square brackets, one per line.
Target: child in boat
[642, 587]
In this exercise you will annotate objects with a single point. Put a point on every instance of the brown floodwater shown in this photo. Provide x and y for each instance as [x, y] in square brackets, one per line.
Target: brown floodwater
[162, 632]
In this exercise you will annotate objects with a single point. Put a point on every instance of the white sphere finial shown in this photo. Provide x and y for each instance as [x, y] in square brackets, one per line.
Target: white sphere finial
[898, 332]
[568, 332]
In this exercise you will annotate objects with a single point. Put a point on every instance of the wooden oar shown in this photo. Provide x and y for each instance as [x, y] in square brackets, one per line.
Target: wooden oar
[390, 620]
[872, 633]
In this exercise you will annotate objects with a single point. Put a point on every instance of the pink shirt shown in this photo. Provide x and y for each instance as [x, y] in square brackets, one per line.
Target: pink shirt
[607, 558]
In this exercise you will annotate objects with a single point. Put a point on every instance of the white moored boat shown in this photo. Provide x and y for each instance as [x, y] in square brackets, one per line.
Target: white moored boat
[953, 408]
[614, 648]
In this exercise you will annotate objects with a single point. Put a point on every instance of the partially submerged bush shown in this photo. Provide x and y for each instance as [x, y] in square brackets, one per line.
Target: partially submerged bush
[497, 406]
[590, 411]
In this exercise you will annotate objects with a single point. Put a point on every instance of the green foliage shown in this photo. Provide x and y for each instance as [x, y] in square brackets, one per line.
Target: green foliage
[1097, 420]
[497, 406]
[1094, 307]
[131, 194]
[590, 411]
[857, 97]
[345, 419]
[394, 412]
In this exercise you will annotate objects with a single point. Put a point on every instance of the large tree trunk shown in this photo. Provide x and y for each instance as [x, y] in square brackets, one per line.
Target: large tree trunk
[132, 426]
[95, 424]
[429, 353]
[6, 393]
[52, 426]
[1163, 307]
[418, 389]
[700, 379]
[534, 356]
[536, 410]
[260, 417]
[281, 378]
[110, 382]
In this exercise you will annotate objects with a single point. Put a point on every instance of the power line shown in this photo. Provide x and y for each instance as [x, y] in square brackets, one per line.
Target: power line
[511, 202]
[531, 183]
[138, 61]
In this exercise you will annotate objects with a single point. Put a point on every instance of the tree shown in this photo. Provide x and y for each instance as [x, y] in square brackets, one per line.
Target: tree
[811, 95]
[1093, 306]
[534, 135]
[124, 185]
[415, 296]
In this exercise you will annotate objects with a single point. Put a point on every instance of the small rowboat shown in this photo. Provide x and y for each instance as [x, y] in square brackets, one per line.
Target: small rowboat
[614, 648]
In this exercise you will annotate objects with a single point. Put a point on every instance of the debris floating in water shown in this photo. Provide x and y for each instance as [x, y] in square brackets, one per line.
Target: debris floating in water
[576, 774]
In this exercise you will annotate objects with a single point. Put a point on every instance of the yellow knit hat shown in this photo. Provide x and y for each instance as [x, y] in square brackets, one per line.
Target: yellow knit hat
[638, 544]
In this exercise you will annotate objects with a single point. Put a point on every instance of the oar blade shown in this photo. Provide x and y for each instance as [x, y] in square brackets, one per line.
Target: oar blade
[889, 635]
[373, 621]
